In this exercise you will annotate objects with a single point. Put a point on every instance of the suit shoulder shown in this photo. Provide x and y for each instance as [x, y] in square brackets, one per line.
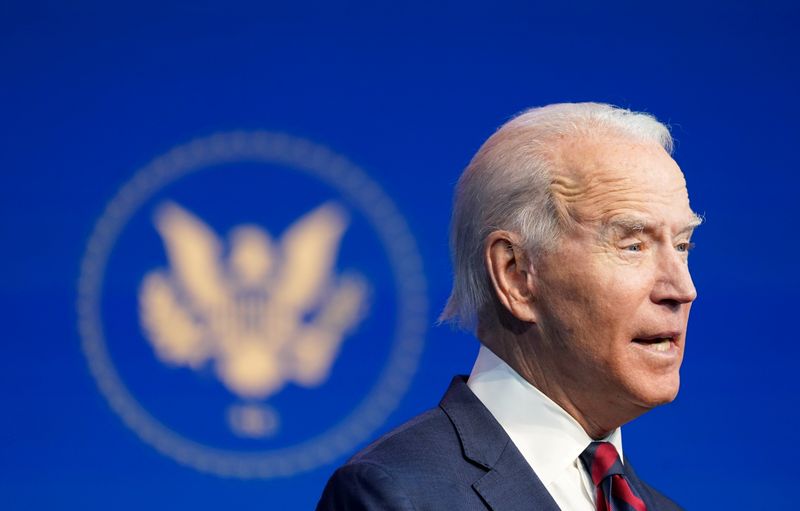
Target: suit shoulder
[363, 486]
[425, 452]
[422, 441]
[419, 464]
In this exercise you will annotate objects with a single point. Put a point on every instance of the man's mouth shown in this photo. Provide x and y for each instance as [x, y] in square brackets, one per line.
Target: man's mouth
[659, 342]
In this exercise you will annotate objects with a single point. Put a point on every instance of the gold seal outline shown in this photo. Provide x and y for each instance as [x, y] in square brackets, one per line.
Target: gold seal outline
[380, 212]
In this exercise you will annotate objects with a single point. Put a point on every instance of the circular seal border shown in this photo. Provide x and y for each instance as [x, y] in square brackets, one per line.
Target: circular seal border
[377, 207]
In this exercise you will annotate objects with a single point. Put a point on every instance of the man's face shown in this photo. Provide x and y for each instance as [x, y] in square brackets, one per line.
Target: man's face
[614, 295]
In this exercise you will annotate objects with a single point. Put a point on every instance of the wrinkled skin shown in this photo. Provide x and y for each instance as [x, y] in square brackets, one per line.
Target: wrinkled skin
[619, 272]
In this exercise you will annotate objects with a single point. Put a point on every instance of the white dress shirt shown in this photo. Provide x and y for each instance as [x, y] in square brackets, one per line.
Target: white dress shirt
[549, 438]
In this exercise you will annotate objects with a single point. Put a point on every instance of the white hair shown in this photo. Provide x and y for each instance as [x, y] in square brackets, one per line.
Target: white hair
[507, 186]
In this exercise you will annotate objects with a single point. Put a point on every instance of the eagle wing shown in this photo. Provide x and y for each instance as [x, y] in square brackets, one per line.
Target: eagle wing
[309, 250]
[194, 254]
[318, 343]
[170, 328]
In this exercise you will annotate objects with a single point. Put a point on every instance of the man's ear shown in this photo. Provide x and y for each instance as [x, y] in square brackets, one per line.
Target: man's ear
[510, 272]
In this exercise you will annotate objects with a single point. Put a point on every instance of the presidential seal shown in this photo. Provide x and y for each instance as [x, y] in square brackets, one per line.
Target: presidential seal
[252, 305]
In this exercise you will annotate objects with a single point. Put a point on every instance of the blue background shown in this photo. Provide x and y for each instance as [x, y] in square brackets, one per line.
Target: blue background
[89, 93]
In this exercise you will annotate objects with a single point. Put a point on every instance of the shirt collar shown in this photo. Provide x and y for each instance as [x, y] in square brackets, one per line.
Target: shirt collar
[548, 437]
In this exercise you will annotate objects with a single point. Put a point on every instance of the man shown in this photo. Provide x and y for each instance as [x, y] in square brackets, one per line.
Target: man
[570, 236]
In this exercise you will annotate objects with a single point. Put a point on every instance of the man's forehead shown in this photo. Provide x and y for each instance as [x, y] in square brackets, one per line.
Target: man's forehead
[588, 156]
[604, 176]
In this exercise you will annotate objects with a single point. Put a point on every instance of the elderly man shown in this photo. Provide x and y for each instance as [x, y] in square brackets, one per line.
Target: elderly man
[570, 237]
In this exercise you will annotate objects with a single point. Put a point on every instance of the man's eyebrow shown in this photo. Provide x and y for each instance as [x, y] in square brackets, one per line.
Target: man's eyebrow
[693, 223]
[635, 224]
[628, 224]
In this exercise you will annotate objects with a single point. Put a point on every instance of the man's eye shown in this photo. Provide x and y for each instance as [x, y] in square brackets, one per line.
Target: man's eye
[634, 247]
[685, 247]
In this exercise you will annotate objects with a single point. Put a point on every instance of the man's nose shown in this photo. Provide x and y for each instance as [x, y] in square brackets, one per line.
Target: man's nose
[674, 284]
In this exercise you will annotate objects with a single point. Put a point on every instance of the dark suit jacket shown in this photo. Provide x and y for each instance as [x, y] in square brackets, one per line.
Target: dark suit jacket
[455, 457]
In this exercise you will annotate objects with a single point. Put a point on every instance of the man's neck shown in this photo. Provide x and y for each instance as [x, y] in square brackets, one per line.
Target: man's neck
[528, 355]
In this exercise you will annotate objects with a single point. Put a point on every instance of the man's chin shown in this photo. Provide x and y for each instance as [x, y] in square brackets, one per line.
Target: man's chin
[660, 392]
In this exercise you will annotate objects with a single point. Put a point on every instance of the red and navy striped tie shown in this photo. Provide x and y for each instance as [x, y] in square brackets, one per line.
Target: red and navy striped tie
[613, 492]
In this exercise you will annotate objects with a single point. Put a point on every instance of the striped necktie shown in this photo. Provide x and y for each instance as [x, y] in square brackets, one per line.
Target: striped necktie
[613, 493]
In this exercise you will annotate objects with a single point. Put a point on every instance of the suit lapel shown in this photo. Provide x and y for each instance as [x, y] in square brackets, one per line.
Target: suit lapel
[509, 483]
[639, 487]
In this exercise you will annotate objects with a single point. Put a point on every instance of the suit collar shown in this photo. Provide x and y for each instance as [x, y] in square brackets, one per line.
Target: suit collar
[509, 482]
[548, 437]
[482, 438]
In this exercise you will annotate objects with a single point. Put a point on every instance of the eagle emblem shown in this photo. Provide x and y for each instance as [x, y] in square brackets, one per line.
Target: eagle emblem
[261, 312]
